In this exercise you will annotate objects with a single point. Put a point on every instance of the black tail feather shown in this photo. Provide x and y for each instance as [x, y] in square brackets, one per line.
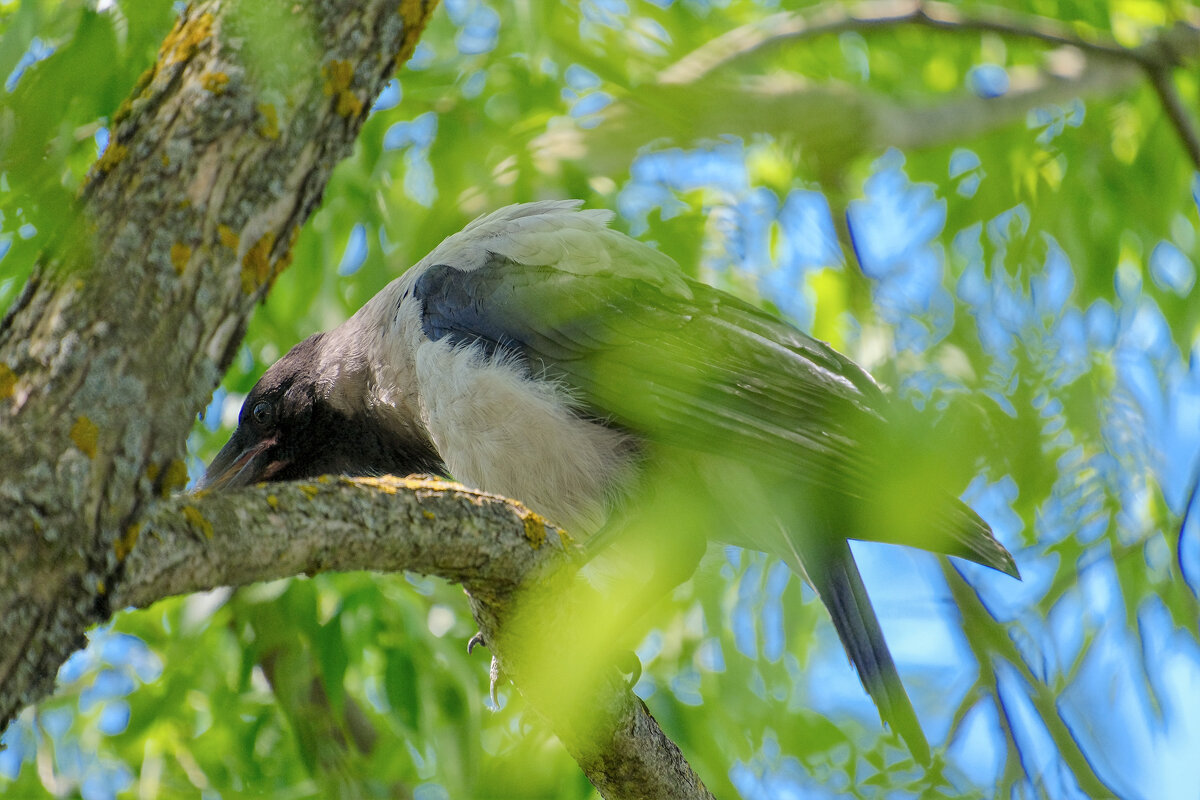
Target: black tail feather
[837, 581]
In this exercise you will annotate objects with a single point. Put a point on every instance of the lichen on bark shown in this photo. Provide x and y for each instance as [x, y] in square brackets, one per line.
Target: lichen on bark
[133, 313]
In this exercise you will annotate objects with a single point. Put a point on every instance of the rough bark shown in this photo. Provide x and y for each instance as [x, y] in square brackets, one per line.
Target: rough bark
[510, 561]
[129, 321]
[133, 315]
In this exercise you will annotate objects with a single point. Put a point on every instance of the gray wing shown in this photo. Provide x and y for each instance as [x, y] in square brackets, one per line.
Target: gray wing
[705, 372]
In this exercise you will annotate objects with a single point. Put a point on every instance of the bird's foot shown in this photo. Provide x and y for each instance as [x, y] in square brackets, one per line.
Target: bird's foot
[494, 674]
[493, 680]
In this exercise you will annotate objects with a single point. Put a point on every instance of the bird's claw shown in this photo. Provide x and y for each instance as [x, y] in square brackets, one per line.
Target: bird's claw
[494, 678]
[493, 671]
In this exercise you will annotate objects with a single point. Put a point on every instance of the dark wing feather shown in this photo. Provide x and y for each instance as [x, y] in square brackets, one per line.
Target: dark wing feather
[833, 574]
[705, 372]
[679, 370]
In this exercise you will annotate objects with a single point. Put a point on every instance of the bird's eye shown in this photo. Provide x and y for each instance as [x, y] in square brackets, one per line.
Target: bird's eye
[263, 414]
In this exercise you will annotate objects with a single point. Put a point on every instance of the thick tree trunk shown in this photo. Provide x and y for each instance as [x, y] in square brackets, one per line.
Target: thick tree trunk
[129, 322]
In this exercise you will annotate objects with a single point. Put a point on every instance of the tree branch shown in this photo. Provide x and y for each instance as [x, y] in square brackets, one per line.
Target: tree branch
[515, 566]
[192, 543]
[987, 639]
[1177, 113]
[1157, 58]
[833, 123]
[834, 18]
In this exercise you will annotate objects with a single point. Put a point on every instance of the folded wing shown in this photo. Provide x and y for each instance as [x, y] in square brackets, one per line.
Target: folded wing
[700, 370]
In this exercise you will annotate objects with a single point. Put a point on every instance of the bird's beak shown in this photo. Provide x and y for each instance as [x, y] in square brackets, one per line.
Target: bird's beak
[240, 463]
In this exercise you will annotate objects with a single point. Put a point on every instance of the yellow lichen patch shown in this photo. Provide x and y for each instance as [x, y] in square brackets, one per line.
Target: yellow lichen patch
[124, 545]
[85, 435]
[285, 260]
[197, 520]
[180, 253]
[176, 477]
[122, 112]
[181, 43]
[392, 484]
[126, 108]
[227, 237]
[8, 381]
[256, 264]
[273, 502]
[415, 18]
[338, 77]
[152, 471]
[348, 105]
[214, 82]
[310, 491]
[113, 154]
[412, 11]
[535, 528]
[268, 126]
[385, 483]
[144, 79]
[324, 479]
[436, 484]
[428, 515]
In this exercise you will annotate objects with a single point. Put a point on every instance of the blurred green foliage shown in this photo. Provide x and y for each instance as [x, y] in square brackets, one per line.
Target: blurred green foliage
[359, 685]
[67, 69]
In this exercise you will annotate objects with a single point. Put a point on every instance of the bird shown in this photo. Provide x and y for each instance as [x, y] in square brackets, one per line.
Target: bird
[542, 355]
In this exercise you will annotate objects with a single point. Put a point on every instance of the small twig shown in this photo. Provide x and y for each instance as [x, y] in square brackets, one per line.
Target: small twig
[944, 16]
[979, 623]
[1177, 113]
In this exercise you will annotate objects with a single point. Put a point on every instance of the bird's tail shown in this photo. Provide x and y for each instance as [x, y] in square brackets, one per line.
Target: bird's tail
[835, 577]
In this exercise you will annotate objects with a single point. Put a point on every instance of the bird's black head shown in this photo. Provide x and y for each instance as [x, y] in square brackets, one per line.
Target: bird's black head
[289, 428]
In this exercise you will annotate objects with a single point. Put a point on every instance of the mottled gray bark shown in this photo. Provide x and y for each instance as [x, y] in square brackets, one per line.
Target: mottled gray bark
[132, 316]
[515, 566]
